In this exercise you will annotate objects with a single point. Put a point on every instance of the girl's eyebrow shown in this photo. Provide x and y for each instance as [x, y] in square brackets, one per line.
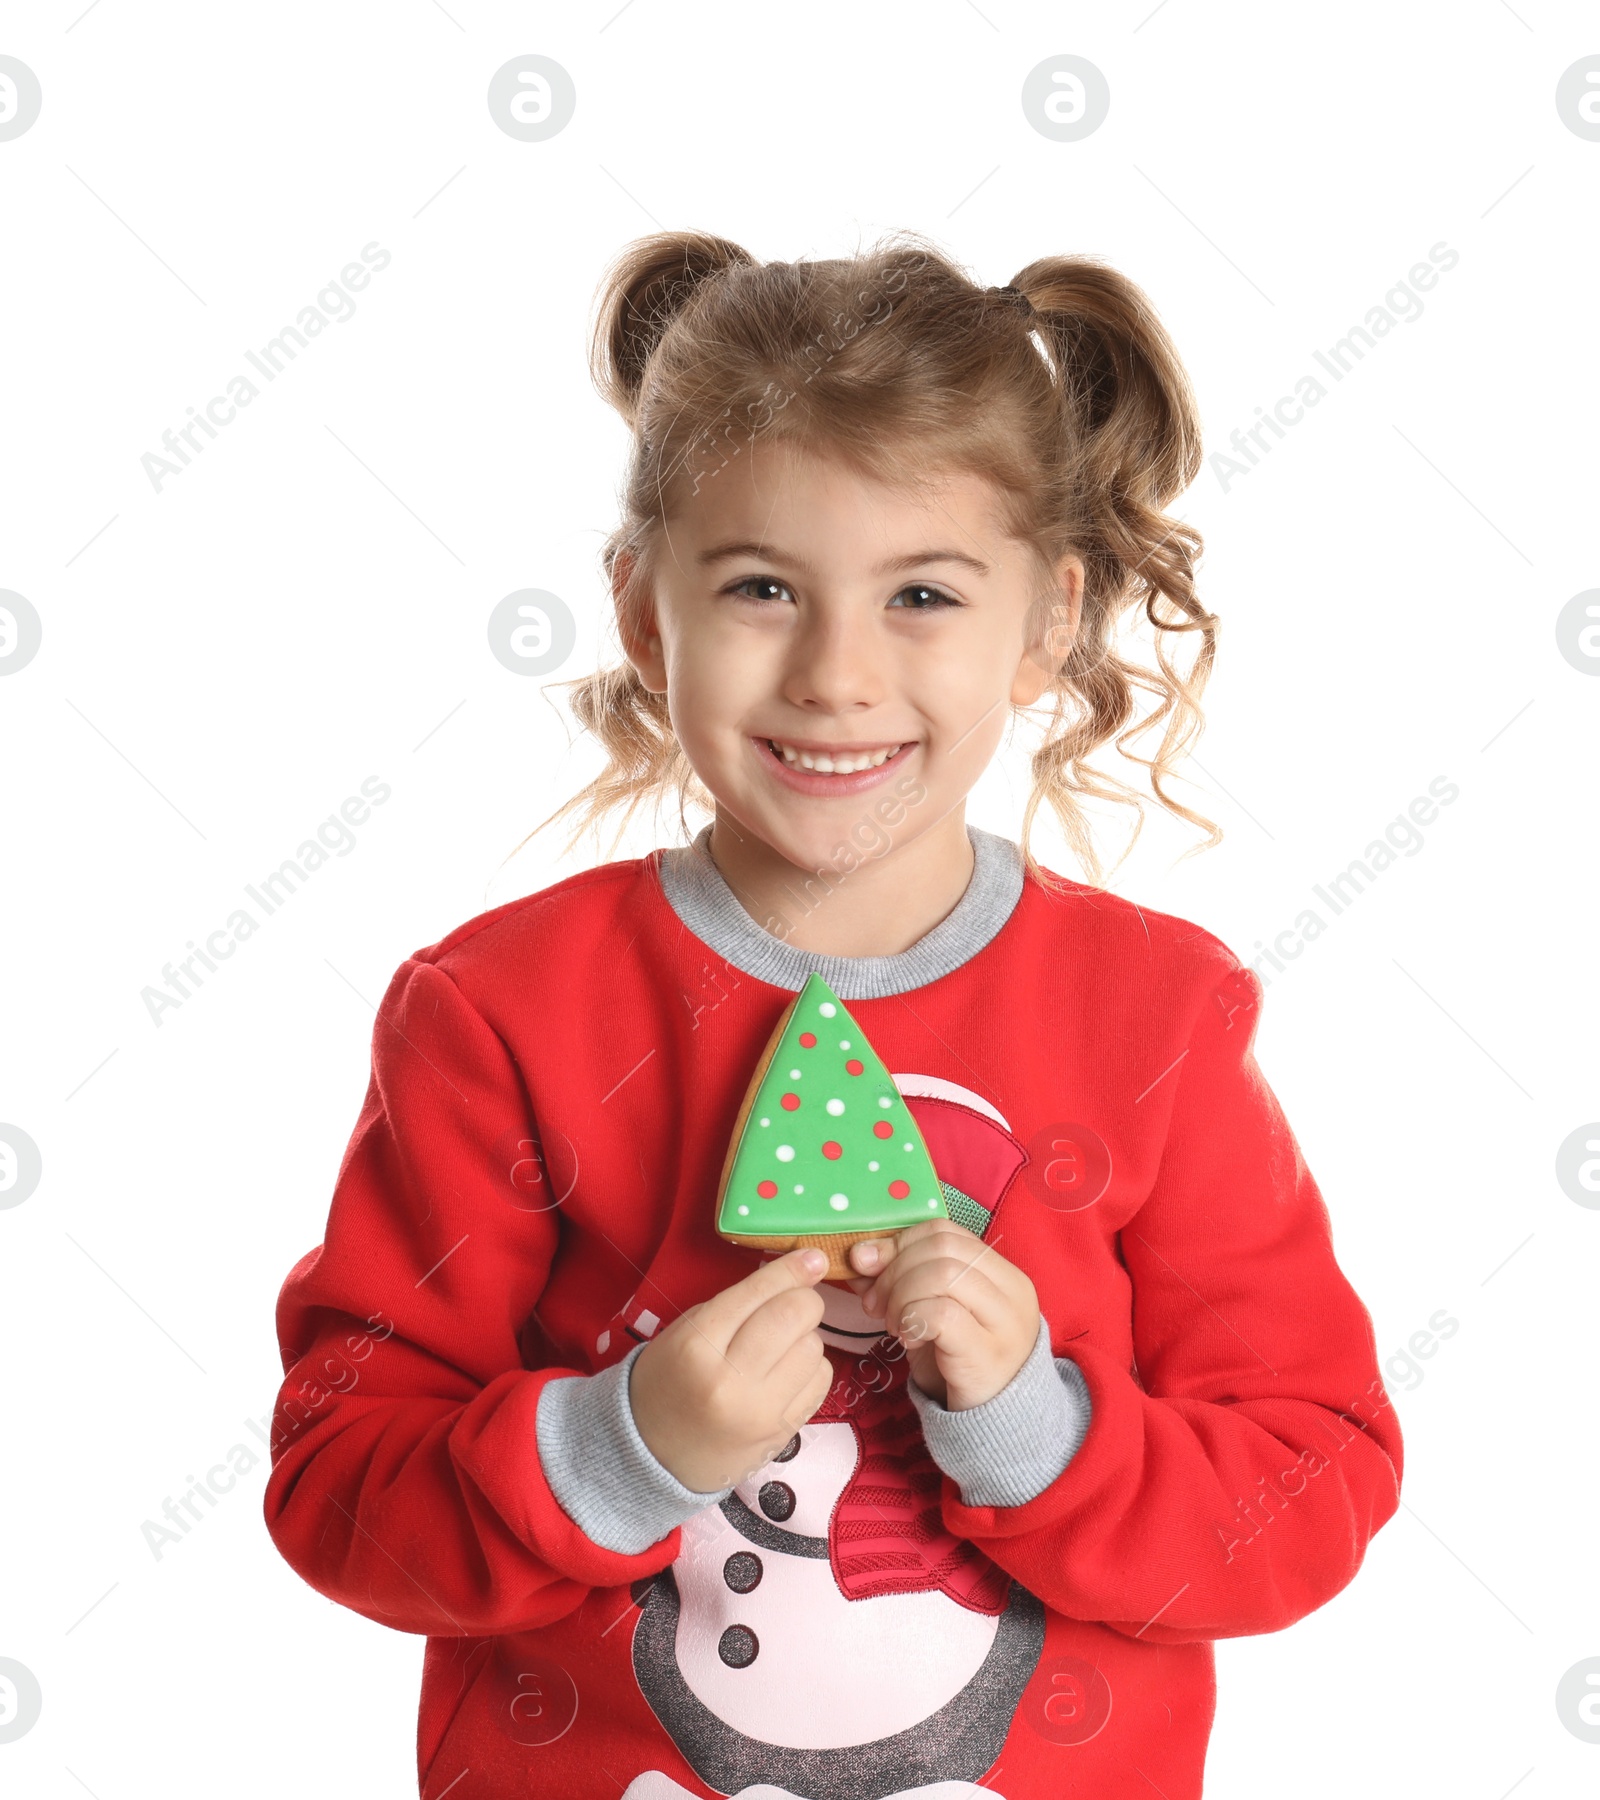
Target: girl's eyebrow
[771, 553]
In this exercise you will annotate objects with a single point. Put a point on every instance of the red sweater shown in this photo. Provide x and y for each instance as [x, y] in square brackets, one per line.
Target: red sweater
[529, 1189]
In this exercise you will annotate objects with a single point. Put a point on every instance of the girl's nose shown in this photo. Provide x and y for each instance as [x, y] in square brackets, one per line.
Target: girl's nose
[834, 664]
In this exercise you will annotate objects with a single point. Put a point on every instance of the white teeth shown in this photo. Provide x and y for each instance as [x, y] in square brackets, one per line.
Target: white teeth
[822, 764]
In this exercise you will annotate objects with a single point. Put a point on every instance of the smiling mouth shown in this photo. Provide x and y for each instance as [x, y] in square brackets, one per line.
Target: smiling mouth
[842, 761]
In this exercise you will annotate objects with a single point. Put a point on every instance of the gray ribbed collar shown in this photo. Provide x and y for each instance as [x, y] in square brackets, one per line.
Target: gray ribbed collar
[698, 894]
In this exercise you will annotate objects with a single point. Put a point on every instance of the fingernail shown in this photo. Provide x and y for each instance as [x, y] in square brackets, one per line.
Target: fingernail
[814, 1260]
[869, 1254]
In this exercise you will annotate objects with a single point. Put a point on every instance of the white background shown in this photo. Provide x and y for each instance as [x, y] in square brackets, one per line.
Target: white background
[225, 660]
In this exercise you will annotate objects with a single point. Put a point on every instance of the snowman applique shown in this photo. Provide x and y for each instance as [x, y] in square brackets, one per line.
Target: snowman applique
[821, 1635]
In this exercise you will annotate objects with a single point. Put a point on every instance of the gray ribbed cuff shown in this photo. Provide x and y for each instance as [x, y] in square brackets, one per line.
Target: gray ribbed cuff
[1008, 1451]
[601, 1470]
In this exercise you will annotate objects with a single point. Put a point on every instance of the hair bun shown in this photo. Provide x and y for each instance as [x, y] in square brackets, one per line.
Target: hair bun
[1017, 298]
[640, 295]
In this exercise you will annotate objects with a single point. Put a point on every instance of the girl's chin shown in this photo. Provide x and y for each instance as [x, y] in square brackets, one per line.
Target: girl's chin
[809, 846]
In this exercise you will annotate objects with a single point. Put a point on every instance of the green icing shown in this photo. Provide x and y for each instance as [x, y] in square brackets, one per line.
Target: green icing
[783, 1146]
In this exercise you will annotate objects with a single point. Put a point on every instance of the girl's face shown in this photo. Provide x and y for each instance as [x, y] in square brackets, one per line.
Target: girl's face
[839, 656]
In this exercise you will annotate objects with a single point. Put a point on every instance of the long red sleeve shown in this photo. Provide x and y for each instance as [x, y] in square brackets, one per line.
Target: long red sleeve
[1234, 1485]
[406, 1482]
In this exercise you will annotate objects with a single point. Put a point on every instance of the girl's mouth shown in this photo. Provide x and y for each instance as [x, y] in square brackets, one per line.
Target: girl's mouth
[810, 768]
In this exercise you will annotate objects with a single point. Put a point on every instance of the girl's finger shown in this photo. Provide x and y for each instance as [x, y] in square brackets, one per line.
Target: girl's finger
[893, 1254]
[972, 1291]
[954, 1257]
[937, 1319]
[871, 1255]
[934, 1237]
[720, 1318]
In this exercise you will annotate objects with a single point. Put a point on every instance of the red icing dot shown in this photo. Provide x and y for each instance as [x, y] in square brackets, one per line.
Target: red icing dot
[808, 1040]
[853, 1067]
[790, 1102]
[768, 1190]
[832, 1151]
[883, 1129]
[898, 1188]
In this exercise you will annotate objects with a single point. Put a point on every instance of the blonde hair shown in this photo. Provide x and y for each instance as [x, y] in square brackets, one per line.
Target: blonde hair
[895, 361]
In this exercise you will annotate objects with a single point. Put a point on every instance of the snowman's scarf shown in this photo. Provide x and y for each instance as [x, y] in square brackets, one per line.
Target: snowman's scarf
[887, 1535]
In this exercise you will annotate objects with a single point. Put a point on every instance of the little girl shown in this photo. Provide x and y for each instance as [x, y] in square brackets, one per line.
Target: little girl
[678, 1518]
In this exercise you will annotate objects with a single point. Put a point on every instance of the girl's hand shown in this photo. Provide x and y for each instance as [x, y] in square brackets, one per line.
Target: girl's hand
[967, 1317]
[730, 1381]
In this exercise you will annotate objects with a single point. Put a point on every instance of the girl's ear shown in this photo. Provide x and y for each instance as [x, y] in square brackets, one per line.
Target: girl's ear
[638, 626]
[1049, 632]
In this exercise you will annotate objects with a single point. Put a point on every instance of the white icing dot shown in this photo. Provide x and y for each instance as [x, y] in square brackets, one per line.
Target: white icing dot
[838, 1202]
[883, 1100]
[794, 1074]
[786, 1152]
[827, 1009]
[844, 1043]
[873, 1167]
[766, 1121]
[799, 1187]
[744, 1209]
[836, 1107]
[933, 1203]
[903, 1147]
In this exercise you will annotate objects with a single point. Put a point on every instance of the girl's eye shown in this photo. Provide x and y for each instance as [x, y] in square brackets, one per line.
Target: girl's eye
[761, 581]
[924, 598]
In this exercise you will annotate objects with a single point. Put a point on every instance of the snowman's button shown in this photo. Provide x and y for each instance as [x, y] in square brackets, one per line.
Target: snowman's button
[737, 1646]
[776, 1499]
[742, 1571]
[790, 1450]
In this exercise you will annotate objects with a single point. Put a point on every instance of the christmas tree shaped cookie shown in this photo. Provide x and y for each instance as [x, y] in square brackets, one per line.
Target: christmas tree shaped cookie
[824, 1150]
